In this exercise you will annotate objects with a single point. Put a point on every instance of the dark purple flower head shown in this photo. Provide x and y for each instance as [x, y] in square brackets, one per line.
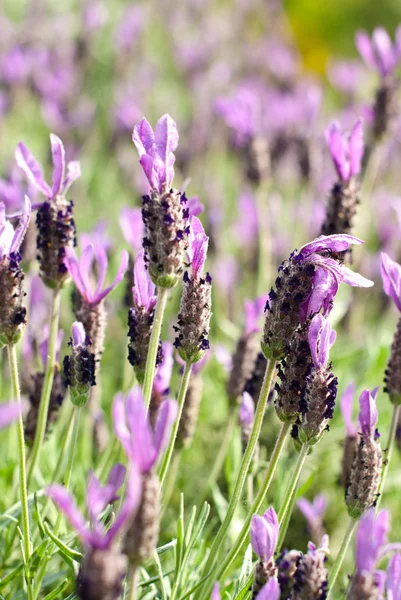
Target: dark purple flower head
[144, 289]
[313, 511]
[63, 175]
[9, 413]
[253, 312]
[198, 245]
[393, 579]
[132, 227]
[131, 424]
[97, 498]
[247, 410]
[378, 52]
[391, 275]
[368, 414]
[81, 270]
[264, 534]
[371, 537]
[161, 381]
[321, 338]
[10, 239]
[156, 151]
[346, 409]
[346, 149]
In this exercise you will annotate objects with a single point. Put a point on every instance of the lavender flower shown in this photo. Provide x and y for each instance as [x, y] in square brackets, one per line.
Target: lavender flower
[132, 227]
[9, 412]
[79, 368]
[195, 309]
[378, 52]
[307, 283]
[216, 592]
[143, 448]
[311, 577]
[313, 513]
[164, 214]
[346, 150]
[393, 579]
[351, 437]
[55, 222]
[363, 487]
[371, 537]
[12, 311]
[140, 319]
[391, 275]
[264, 537]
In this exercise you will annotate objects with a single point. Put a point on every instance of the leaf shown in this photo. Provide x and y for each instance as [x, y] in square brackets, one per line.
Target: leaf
[161, 576]
[72, 596]
[38, 516]
[246, 570]
[65, 550]
[15, 510]
[14, 573]
[220, 502]
[35, 559]
[180, 537]
[151, 580]
[245, 591]
[190, 526]
[57, 591]
[166, 547]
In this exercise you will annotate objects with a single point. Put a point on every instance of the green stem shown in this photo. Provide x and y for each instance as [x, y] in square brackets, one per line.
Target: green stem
[287, 505]
[388, 451]
[210, 566]
[257, 504]
[47, 387]
[340, 556]
[162, 294]
[12, 357]
[181, 400]
[134, 582]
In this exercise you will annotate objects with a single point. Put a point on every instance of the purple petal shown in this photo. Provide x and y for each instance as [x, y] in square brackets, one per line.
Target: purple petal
[270, 591]
[195, 206]
[383, 49]
[371, 535]
[102, 263]
[132, 227]
[32, 169]
[320, 503]
[247, 410]
[253, 312]
[165, 420]
[325, 287]
[142, 445]
[320, 337]
[44, 345]
[264, 534]
[313, 511]
[166, 139]
[143, 138]
[144, 289]
[73, 267]
[9, 413]
[58, 157]
[356, 148]
[394, 578]
[66, 504]
[78, 334]
[163, 373]
[133, 494]
[118, 278]
[22, 226]
[198, 245]
[365, 49]
[98, 496]
[337, 147]
[368, 414]
[336, 243]
[216, 592]
[120, 424]
[391, 275]
[355, 279]
[346, 409]
[73, 173]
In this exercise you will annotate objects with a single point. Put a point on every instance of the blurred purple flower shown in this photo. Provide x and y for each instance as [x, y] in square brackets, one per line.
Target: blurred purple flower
[81, 269]
[163, 373]
[13, 189]
[130, 26]
[371, 537]
[97, 498]
[44, 345]
[346, 149]
[321, 338]
[246, 227]
[270, 591]
[94, 16]
[97, 237]
[368, 414]
[346, 409]
[131, 425]
[313, 511]
[346, 75]
[264, 534]
[132, 227]
[216, 592]
[9, 412]
[393, 579]
[253, 312]
[15, 65]
[378, 52]
[246, 410]
[391, 275]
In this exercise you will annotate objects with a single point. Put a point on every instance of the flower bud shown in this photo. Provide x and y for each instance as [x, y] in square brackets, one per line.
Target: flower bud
[79, 367]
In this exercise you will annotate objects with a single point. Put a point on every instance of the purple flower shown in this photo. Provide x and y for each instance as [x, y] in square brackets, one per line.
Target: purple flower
[194, 206]
[346, 149]
[246, 227]
[10, 239]
[313, 511]
[163, 373]
[78, 334]
[347, 75]
[391, 275]
[198, 245]
[156, 151]
[264, 534]
[321, 338]
[97, 498]
[132, 427]
[270, 591]
[44, 344]
[253, 312]
[247, 410]
[131, 25]
[97, 237]
[144, 289]
[9, 412]
[81, 269]
[378, 52]
[61, 180]
[132, 227]
[368, 414]
[346, 409]
[371, 536]
[216, 592]
[15, 65]
[393, 581]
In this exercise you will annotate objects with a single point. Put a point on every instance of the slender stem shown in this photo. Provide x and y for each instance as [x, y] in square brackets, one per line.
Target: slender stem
[388, 451]
[181, 400]
[162, 294]
[134, 582]
[210, 566]
[242, 537]
[12, 357]
[340, 556]
[284, 514]
[47, 387]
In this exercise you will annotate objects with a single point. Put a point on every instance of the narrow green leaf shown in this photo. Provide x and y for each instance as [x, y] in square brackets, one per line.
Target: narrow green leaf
[166, 547]
[15, 510]
[151, 580]
[38, 516]
[190, 526]
[161, 576]
[245, 592]
[57, 591]
[73, 554]
[72, 596]
[14, 573]
[35, 559]
[246, 570]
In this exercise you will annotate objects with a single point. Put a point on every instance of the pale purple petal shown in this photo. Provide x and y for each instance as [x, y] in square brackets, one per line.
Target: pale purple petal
[365, 49]
[264, 534]
[99, 496]
[166, 418]
[102, 263]
[78, 334]
[371, 535]
[199, 252]
[166, 139]
[253, 312]
[195, 206]
[216, 592]
[22, 226]
[66, 504]
[270, 591]
[391, 275]
[337, 149]
[58, 158]
[355, 279]
[44, 345]
[144, 288]
[356, 148]
[143, 138]
[132, 227]
[85, 268]
[325, 287]
[73, 173]
[393, 585]
[313, 511]
[163, 373]
[142, 445]
[320, 338]
[120, 424]
[73, 266]
[32, 169]
[368, 414]
[346, 409]
[118, 278]
[336, 243]
[9, 413]
[133, 494]
[247, 410]
[383, 49]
